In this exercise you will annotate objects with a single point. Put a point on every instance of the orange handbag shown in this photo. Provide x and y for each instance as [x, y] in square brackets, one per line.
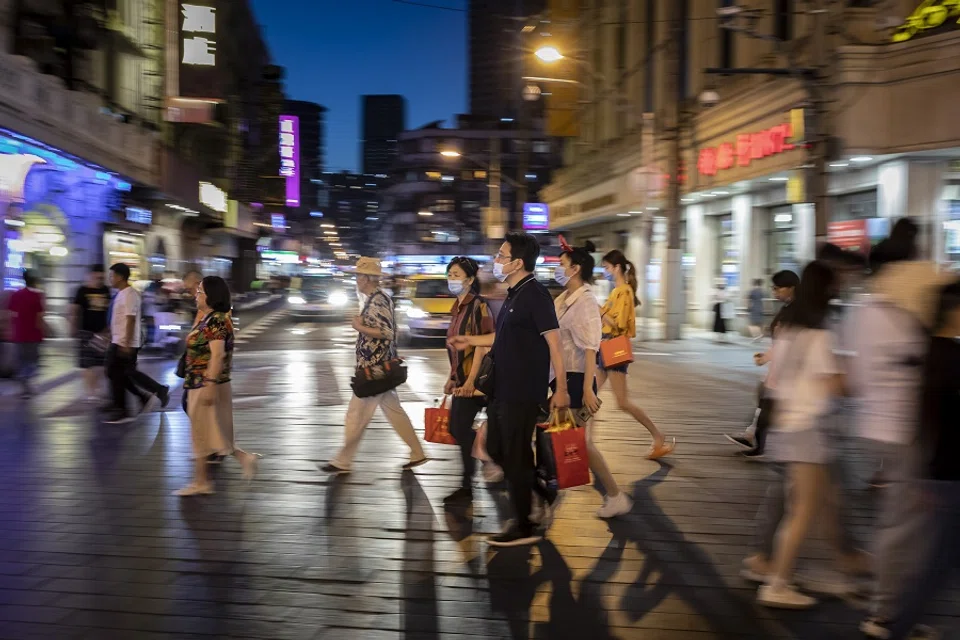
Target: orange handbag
[616, 351]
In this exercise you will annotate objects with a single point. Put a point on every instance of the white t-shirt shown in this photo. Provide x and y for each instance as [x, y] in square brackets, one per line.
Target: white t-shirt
[799, 378]
[125, 304]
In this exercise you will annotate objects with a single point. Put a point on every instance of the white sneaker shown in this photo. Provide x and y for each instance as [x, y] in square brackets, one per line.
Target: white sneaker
[617, 506]
[783, 597]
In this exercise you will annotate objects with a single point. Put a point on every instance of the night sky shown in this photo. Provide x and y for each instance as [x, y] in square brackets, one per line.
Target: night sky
[337, 50]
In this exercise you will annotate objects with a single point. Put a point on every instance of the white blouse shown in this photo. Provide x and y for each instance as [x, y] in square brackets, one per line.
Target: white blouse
[580, 328]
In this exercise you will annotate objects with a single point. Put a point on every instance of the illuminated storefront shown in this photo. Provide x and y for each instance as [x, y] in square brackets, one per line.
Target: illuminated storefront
[53, 207]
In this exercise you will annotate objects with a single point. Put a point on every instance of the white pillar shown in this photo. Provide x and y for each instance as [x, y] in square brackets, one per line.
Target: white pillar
[743, 234]
[701, 238]
[892, 189]
[923, 203]
[805, 219]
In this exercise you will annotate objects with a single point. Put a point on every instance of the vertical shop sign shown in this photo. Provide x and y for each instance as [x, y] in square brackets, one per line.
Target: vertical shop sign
[290, 157]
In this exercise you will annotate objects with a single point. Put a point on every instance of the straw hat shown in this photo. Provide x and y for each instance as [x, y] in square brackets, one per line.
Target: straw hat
[368, 267]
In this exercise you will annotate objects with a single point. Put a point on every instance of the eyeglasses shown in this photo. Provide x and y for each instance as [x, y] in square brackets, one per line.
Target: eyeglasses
[500, 256]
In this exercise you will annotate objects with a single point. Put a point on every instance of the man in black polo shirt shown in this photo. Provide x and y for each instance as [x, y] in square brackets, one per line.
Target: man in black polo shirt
[525, 344]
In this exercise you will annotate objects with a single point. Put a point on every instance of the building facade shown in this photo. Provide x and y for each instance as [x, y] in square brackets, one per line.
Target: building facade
[384, 117]
[746, 209]
[435, 204]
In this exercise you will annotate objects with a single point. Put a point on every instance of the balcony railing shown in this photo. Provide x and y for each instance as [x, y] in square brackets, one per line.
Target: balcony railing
[40, 106]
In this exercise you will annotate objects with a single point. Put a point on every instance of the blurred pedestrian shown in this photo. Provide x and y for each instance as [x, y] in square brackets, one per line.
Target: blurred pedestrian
[940, 444]
[527, 343]
[26, 307]
[755, 309]
[191, 282]
[376, 344]
[207, 387]
[89, 321]
[805, 377]
[754, 438]
[721, 312]
[470, 316]
[619, 317]
[888, 342]
[581, 332]
[125, 332]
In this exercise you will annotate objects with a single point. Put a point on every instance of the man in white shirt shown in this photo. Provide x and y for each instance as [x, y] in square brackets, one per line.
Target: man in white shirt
[125, 328]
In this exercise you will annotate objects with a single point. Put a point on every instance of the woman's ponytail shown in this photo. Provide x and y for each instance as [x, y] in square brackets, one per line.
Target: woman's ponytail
[617, 259]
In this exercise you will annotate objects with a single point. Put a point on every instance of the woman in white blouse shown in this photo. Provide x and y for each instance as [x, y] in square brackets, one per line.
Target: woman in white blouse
[580, 332]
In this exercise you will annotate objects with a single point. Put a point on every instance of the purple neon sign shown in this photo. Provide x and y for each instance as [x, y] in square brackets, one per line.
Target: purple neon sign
[290, 157]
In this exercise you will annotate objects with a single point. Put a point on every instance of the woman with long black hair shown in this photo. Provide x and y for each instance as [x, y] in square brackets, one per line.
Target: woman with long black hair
[619, 317]
[804, 380]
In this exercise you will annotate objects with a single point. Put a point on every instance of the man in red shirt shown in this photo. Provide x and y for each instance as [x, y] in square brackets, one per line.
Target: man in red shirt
[26, 327]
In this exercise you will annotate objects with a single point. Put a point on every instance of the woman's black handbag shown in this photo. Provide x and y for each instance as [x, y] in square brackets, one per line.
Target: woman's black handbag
[378, 378]
[485, 376]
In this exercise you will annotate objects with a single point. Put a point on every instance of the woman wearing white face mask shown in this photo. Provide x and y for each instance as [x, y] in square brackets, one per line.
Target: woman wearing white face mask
[581, 330]
[470, 316]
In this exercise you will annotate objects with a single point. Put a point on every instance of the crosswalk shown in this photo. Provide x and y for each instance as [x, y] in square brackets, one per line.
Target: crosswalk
[246, 334]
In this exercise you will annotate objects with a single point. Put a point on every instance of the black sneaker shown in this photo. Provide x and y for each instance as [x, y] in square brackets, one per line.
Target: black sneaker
[515, 537]
[460, 495]
[333, 469]
[164, 396]
[753, 454]
[740, 441]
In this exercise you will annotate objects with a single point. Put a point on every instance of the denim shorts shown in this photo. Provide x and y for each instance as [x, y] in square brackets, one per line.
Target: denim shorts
[620, 368]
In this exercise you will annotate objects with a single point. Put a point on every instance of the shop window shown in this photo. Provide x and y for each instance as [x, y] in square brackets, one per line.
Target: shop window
[782, 241]
[727, 252]
[861, 205]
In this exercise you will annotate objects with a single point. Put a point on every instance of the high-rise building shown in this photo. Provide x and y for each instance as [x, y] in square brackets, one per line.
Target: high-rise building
[384, 117]
[496, 69]
[311, 141]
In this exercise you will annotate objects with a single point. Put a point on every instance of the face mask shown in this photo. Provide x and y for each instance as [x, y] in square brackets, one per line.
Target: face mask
[498, 272]
[608, 276]
[560, 275]
[455, 286]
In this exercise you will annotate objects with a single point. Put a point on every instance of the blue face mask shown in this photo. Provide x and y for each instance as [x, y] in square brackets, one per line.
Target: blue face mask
[560, 275]
[608, 276]
[455, 286]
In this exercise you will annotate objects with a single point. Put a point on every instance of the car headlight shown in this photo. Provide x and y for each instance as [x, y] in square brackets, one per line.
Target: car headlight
[295, 300]
[416, 313]
[338, 299]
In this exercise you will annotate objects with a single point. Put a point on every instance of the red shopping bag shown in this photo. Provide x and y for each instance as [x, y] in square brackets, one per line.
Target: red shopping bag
[436, 424]
[562, 460]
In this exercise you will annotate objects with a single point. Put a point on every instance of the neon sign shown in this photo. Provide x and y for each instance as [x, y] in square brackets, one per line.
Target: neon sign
[747, 148]
[929, 15]
[213, 197]
[290, 157]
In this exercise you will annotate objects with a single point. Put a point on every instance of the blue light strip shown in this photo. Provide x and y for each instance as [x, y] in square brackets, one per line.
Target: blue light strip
[12, 142]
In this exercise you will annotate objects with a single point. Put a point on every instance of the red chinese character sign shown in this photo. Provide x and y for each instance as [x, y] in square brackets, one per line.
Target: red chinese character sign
[747, 148]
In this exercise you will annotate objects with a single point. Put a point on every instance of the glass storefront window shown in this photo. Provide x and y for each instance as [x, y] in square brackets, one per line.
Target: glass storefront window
[861, 205]
[782, 241]
[727, 251]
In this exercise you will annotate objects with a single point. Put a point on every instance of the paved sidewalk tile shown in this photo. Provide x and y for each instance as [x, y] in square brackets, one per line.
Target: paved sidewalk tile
[92, 544]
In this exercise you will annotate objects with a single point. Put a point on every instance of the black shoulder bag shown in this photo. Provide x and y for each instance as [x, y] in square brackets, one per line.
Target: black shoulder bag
[384, 376]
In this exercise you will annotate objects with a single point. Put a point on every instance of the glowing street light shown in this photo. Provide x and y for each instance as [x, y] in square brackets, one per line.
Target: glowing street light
[450, 153]
[549, 54]
[425, 214]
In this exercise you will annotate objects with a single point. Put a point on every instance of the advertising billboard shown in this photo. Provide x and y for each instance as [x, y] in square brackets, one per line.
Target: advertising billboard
[290, 157]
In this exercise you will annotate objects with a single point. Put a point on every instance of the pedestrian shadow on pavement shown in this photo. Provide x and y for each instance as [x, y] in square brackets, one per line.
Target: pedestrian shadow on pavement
[419, 611]
[513, 589]
[682, 569]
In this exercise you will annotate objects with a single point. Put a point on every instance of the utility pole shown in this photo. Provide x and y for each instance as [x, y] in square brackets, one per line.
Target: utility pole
[673, 277]
[818, 179]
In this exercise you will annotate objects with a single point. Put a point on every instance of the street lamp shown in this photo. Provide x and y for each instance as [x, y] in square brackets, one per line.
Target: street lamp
[549, 54]
[450, 153]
